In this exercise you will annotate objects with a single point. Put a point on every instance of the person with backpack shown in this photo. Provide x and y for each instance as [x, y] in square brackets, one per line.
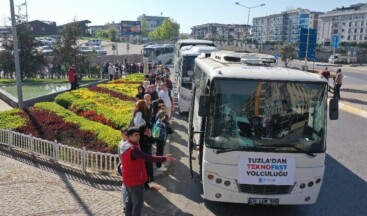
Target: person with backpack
[160, 134]
[169, 101]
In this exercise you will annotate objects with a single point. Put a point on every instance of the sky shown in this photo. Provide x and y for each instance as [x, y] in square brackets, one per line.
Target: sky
[187, 13]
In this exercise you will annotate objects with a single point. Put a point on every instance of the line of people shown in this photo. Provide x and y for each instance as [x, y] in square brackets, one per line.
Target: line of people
[150, 124]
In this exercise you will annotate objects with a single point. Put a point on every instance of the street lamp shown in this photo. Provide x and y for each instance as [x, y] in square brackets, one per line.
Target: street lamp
[249, 9]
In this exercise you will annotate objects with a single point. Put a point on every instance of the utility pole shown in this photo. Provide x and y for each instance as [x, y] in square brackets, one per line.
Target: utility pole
[16, 56]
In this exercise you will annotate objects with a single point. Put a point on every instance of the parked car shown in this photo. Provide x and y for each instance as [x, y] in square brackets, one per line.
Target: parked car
[99, 50]
[85, 49]
[93, 42]
[46, 50]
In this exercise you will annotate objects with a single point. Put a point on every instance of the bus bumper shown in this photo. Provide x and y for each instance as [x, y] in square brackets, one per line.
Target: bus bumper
[219, 193]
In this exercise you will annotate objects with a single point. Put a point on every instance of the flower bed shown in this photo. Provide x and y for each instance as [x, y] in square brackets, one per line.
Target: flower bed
[115, 110]
[100, 110]
[104, 133]
[112, 93]
[128, 89]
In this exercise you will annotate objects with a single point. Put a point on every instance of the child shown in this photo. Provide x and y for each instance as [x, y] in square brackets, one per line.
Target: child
[146, 142]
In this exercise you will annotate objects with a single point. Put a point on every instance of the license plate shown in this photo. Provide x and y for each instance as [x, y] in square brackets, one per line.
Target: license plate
[263, 201]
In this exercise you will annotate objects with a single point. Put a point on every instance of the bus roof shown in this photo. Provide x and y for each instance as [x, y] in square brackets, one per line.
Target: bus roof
[197, 50]
[155, 46]
[217, 69]
[186, 42]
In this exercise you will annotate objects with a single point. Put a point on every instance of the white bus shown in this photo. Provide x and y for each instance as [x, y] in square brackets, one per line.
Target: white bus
[159, 54]
[184, 71]
[190, 42]
[237, 122]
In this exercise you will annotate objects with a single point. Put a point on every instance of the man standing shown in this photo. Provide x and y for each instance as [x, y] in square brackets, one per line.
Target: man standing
[134, 172]
[169, 101]
[338, 83]
[72, 75]
[153, 93]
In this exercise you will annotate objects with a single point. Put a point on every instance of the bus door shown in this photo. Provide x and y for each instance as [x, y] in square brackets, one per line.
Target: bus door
[185, 83]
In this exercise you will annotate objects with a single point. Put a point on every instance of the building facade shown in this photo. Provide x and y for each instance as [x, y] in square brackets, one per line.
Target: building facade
[348, 24]
[221, 32]
[43, 27]
[284, 27]
[153, 22]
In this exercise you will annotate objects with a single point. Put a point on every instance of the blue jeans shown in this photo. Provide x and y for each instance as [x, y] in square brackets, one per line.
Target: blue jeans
[135, 200]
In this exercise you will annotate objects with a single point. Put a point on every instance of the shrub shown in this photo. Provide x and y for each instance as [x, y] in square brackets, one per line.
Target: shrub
[11, 119]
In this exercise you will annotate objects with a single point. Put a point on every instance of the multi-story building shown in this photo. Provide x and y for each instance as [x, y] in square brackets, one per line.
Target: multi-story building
[348, 24]
[153, 22]
[284, 27]
[221, 32]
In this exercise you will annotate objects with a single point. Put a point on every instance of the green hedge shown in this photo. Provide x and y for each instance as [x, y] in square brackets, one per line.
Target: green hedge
[11, 119]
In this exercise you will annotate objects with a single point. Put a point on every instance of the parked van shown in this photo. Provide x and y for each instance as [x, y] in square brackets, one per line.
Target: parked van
[338, 58]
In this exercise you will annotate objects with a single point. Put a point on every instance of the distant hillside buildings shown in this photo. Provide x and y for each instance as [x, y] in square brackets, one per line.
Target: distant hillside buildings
[348, 24]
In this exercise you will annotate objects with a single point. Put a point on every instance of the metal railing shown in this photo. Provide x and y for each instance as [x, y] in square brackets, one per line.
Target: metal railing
[63, 154]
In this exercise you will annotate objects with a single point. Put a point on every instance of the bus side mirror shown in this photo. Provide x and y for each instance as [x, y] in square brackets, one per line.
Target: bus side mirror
[203, 106]
[334, 109]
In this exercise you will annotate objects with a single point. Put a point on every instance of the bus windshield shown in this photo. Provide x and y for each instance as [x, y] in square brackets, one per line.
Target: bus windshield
[147, 52]
[188, 68]
[278, 116]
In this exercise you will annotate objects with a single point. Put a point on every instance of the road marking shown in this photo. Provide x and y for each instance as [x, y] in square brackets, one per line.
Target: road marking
[353, 110]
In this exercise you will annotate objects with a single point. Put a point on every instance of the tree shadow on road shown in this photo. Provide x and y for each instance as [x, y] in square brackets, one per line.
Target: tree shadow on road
[354, 101]
[358, 91]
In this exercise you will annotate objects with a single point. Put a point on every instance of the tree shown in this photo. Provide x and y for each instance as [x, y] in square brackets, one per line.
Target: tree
[287, 53]
[30, 59]
[112, 34]
[66, 49]
[144, 26]
[167, 31]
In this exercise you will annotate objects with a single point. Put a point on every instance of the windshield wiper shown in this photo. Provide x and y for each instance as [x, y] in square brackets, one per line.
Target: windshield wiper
[242, 148]
[295, 147]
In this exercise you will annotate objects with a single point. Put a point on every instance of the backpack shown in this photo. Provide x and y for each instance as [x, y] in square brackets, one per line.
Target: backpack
[158, 131]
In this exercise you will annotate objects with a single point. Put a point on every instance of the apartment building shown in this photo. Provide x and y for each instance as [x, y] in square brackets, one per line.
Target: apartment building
[284, 27]
[221, 32]
[153, 22]
[348, 24]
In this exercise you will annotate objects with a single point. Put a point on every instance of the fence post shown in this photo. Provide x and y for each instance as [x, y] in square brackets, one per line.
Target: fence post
[56, 150]
[84, 160]
[31, 144]
[10, 140]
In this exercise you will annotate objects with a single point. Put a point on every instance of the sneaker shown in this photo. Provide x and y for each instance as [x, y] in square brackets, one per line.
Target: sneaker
[161, 169]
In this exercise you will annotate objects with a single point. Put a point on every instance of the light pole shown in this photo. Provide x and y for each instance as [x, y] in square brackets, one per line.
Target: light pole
[16, 56]
[248, 16]
[249, 9]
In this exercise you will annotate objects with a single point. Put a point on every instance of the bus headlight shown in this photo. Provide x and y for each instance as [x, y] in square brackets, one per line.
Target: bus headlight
[303, 185]
[218, 180]
[227, 183]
